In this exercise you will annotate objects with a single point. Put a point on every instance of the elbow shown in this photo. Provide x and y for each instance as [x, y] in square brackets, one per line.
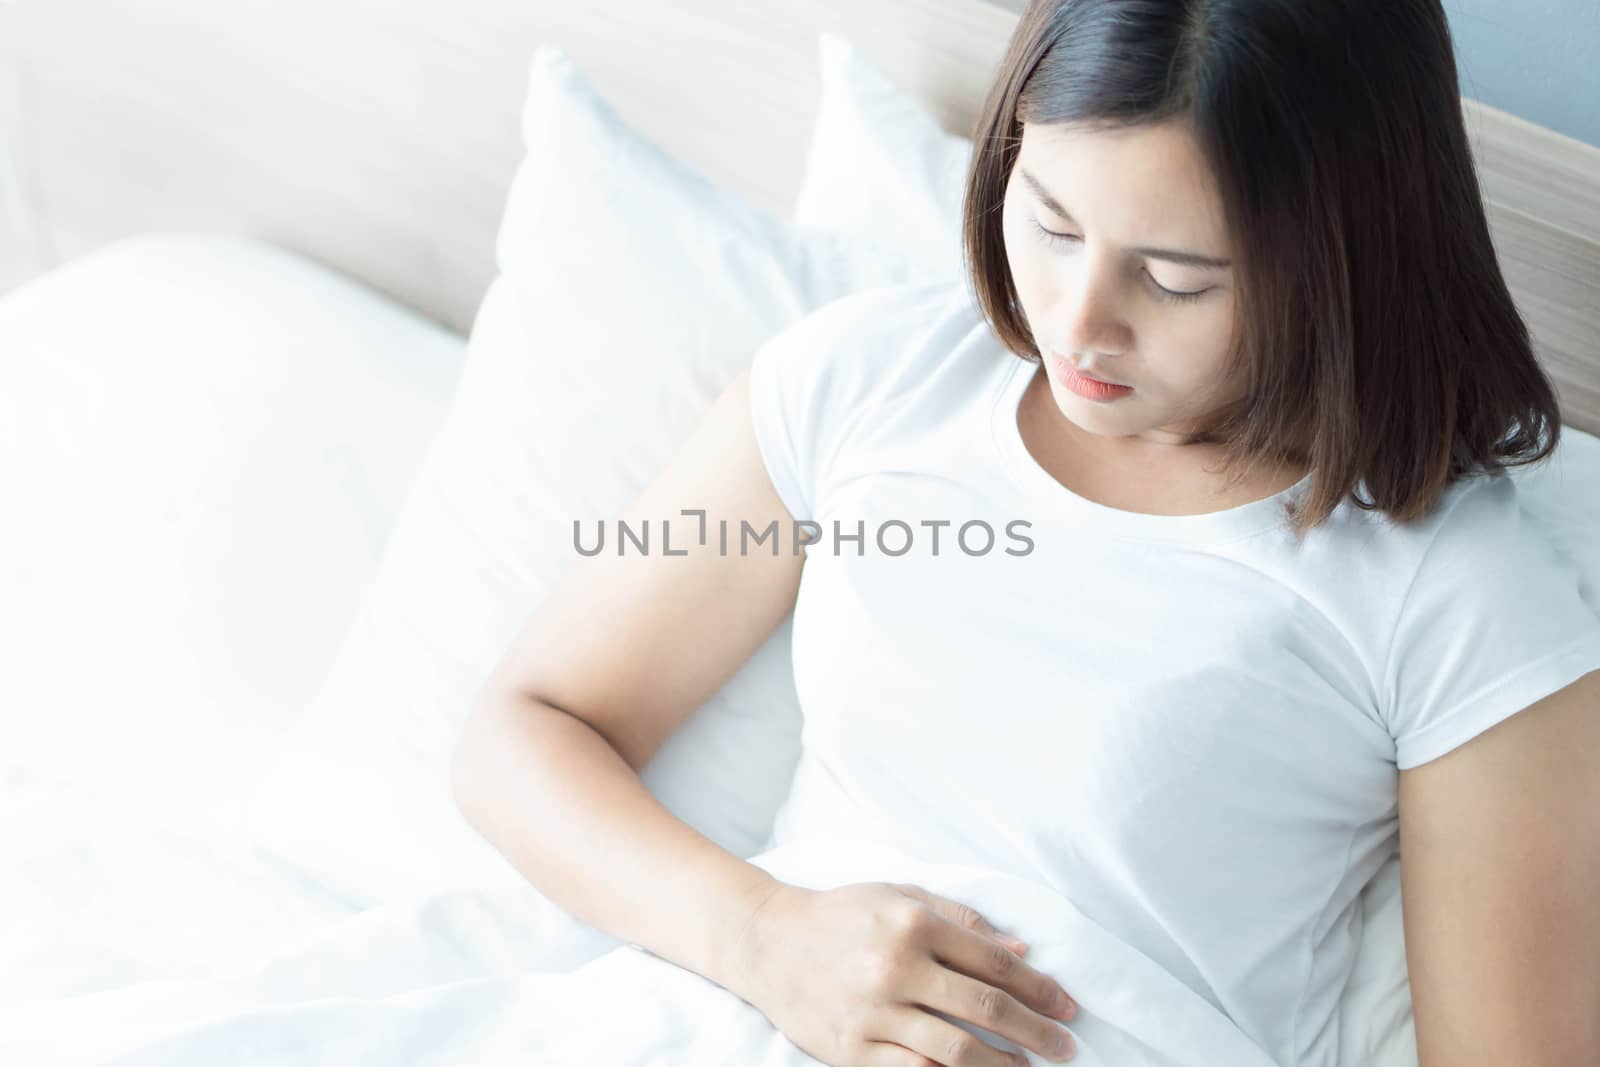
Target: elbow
[495, 726]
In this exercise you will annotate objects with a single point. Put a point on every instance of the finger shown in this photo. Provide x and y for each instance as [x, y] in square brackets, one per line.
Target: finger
[972, 955]
[889, 1054]
[962, 915]
[994, 1009]
[947, 1044]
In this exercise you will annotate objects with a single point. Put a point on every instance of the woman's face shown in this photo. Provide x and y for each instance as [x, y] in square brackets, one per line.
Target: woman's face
[1129, 204]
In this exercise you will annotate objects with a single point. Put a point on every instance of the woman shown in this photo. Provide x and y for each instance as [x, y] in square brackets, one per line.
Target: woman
[1234, 376]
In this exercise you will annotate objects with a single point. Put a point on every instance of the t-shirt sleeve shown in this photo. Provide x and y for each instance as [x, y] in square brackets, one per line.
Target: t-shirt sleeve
[805, 386]
[1492, 622]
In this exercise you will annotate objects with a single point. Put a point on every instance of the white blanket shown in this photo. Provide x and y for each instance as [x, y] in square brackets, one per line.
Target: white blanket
[499, 977]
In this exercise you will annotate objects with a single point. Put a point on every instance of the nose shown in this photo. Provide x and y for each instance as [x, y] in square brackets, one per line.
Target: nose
[1089, 320]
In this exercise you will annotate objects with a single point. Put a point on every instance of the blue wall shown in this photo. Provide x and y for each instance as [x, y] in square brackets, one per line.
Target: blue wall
[1538, 59]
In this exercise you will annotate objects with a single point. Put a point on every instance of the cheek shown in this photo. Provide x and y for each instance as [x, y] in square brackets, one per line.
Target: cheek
[1198, 353]
[1215, 330]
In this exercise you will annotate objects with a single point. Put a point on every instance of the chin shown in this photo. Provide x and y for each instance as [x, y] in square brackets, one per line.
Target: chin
[1081, 414]
[1079, 409]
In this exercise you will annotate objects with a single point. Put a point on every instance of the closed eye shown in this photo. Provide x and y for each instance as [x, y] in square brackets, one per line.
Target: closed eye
[1159, 291]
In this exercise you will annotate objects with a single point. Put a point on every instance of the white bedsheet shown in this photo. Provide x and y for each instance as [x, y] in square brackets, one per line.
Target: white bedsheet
[95, 896]
[232, 962]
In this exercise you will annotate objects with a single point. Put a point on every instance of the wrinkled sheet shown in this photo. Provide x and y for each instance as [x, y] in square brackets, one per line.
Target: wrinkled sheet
[95, 895]
[499, 977]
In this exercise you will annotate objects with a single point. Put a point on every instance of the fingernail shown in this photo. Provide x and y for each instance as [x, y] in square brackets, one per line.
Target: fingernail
[1017, 944]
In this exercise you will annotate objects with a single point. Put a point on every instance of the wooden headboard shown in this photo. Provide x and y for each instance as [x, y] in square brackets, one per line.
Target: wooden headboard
[381, 137]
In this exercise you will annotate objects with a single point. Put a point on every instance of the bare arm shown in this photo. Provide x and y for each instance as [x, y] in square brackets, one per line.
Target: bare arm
[620, 653]
[1500, 879]
[573, 817]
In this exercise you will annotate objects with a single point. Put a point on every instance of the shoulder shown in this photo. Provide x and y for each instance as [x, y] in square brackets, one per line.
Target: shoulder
[1382, 578]
[871, 378]
[860, 332]
[1483, 560]
[1475, 540]
[1477, 518]
[1470, 515]
[872, 348]
[1490, 619]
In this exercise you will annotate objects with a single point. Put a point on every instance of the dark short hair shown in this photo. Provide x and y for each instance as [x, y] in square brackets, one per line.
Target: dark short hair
[1378, 341]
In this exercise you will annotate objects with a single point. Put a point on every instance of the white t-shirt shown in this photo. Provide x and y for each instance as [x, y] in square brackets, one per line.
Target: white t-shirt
[1187, 724]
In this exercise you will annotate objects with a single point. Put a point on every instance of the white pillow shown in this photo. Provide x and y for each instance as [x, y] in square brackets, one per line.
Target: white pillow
[881, 168]
[631, 291]
[204, 441]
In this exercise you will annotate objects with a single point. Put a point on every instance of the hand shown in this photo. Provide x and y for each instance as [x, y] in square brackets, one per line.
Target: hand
[852, 976]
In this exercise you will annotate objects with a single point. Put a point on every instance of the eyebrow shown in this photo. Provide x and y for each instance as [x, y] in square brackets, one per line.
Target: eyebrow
[1188, 259]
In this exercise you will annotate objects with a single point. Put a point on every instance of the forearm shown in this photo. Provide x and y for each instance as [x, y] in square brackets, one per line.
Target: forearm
[555, 798]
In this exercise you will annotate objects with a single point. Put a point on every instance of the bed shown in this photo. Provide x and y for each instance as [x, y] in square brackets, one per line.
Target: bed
[293, 279]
